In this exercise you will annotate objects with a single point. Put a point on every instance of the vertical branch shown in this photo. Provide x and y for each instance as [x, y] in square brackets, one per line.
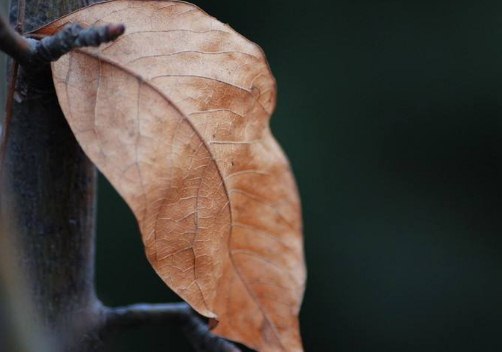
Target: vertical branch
[52, 186]
[25, 334]
[18, 328]
[4, 30]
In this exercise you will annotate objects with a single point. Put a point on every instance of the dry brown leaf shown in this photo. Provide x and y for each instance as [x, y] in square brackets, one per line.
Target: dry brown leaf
[175, 114]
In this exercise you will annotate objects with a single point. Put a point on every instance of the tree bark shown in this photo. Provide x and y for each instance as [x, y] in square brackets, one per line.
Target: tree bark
[53, 190]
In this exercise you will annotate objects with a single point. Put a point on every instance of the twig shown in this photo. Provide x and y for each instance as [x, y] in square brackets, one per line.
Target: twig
[13, 43]
[29, 52]
[138, 314]
[194, 328]
[74, 36]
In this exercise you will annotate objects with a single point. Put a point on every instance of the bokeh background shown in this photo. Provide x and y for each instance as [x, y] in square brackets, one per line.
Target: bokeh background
[391, 114]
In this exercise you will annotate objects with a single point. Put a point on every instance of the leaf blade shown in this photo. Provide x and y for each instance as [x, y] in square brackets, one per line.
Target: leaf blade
[180, 128]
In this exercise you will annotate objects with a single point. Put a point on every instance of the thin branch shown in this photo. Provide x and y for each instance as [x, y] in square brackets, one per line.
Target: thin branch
[4, 135]
[29, 52]
[194, 328]
[13, 43]
[139, 314]
[74, 36]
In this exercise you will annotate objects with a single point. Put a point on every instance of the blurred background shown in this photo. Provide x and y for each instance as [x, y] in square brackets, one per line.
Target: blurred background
[391, 115]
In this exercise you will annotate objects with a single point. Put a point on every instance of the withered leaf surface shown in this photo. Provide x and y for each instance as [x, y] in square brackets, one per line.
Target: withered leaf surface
[175, 114]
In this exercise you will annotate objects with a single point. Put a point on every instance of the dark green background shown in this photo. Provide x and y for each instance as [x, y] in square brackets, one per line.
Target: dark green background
[391, 114]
